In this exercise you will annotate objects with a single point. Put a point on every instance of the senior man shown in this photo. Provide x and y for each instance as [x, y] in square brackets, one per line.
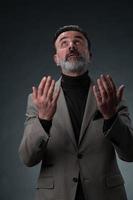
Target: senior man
[75, 127]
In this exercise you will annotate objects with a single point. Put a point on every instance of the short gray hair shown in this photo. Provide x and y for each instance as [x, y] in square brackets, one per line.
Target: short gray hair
[72, 28]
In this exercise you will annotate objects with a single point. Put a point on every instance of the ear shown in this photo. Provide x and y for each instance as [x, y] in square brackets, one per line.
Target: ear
[56, 59]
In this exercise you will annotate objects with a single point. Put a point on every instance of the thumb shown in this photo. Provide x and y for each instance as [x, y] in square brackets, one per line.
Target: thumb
[120, 93]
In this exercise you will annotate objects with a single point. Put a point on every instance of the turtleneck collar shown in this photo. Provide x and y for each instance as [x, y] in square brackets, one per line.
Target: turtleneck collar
[70, 82]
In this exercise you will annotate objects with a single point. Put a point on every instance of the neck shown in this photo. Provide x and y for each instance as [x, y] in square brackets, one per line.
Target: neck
[73, 74]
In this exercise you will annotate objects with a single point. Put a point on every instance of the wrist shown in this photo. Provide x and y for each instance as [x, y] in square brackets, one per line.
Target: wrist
[43, 117]
[110, 115]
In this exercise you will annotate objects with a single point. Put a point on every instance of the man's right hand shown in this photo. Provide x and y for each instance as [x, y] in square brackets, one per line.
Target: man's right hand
[45, 99]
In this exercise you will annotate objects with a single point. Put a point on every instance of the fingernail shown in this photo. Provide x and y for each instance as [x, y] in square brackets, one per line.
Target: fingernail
[49, 77]
[98, 80]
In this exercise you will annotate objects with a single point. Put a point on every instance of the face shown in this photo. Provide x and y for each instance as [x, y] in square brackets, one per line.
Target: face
[72, 53]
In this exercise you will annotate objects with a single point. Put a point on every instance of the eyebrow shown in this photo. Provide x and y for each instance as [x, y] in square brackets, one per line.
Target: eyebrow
[77, 36]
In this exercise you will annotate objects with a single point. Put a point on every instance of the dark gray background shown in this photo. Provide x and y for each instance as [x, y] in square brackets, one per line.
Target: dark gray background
[26, 31]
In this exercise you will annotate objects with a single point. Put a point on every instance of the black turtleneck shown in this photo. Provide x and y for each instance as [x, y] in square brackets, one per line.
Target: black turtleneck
[75, 91]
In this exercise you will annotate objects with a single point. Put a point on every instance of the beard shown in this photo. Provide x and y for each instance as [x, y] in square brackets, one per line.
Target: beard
[77, 64]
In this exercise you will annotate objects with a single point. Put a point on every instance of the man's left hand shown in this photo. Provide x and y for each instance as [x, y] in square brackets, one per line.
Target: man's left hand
[107, 96]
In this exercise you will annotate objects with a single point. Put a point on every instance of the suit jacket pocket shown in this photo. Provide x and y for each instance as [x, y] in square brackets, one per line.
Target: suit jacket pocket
[114, 180]
[46, 182]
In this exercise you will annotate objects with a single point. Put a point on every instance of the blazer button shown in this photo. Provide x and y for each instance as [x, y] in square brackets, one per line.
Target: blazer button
[75, 179]
[79, 155]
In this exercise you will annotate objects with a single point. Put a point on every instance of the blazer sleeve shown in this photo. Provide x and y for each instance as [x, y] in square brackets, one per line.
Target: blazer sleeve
[121, 133]
[35, 138]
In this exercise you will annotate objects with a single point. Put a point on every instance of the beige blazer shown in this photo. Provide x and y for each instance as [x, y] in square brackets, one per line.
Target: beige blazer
[93, 157]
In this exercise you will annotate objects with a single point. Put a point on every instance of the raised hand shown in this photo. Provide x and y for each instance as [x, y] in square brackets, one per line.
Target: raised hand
[107, 95]
[45, 99]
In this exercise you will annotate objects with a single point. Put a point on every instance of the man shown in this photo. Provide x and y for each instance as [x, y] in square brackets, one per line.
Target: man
[74, 127]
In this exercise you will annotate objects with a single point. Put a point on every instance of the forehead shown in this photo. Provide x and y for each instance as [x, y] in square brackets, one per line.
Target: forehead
[70, 35]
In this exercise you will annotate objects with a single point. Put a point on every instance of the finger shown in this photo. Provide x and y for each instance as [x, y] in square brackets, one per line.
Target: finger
[56, 95]
[51, 90]
[102, 90]
[112, 84]
[97, 94]
[120, 93]
[47, 86]
[106, 84]
[41, 86]
[34, 92]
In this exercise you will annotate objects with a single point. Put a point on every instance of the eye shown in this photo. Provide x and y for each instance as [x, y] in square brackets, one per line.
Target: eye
[77, 42]
[64, 44]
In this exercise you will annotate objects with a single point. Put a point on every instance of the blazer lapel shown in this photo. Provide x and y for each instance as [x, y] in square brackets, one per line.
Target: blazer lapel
[88, 113]
[64, 116]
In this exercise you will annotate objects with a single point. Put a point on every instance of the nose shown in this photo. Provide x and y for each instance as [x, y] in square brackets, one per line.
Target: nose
[72, 46]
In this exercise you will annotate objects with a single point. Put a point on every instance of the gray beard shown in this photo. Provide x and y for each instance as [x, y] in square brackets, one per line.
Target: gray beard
[74, 65]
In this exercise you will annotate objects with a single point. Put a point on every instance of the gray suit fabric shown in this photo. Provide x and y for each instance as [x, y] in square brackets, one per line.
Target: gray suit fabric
[100, 176]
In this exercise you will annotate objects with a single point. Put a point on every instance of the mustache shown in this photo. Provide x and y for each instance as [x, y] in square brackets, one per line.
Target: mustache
[72, 53]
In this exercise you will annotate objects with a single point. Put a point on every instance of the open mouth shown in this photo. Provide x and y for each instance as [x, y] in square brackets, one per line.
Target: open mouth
[73, 55]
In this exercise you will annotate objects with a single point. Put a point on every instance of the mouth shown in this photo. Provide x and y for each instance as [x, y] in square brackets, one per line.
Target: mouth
[72, 56]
